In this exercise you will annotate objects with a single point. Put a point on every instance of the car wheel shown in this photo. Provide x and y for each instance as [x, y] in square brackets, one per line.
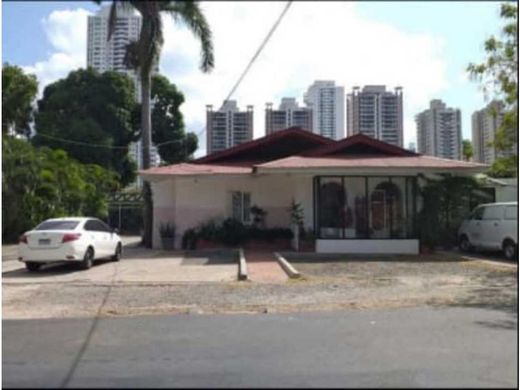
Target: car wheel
[32, 266]
[509, 250]
[465, 245]
[88, 259]
[117, 254]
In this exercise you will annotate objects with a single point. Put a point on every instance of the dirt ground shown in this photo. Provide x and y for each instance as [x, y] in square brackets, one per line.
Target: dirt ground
[329, 284]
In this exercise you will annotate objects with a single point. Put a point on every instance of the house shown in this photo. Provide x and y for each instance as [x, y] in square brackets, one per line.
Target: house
[359, 195]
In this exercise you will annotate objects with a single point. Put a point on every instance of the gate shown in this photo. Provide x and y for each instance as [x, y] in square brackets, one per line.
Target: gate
[125, 211]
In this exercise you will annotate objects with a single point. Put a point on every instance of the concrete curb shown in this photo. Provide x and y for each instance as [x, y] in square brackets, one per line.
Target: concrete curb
[242, 265]
[287, 267]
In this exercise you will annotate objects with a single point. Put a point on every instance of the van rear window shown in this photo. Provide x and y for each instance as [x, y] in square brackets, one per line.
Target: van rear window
[57, 225]
[511, 212]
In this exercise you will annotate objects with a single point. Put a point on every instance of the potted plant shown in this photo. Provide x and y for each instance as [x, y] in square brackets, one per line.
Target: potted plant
[167, 232]
[296, 214]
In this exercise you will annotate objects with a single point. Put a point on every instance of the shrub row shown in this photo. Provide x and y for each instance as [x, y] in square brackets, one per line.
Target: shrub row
[231, 232]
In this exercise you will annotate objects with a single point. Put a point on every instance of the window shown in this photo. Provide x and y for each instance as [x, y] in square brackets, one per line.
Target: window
[477, 214]
[57, 225]
[96, 226]
[511, 212]
[365, 207]
[241, 206]
[492, 213]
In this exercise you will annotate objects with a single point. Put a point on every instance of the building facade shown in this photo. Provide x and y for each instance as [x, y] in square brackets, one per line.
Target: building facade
[228, 126]
[327, 102]
[103, 54]
[439, 131]
[377, 113]
[289, 114]
[484, 125]
[108, 55]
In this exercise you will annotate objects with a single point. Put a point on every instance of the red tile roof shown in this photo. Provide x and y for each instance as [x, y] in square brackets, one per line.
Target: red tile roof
[184, 169]
[343, 145]
[364, 161]
[300, 149]
[280, 144]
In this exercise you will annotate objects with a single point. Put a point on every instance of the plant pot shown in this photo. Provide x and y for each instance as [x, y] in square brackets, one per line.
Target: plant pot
[425, 249]
[168, 243]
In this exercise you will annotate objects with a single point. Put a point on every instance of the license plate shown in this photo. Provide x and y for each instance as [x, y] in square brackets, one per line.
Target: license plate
[44, 241]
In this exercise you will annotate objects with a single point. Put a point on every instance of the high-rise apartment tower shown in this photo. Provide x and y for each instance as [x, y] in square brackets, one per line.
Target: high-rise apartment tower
[228, 126]
[439, 131]
[327, 102]
[289, 114]
[377, 113]
[485, 124]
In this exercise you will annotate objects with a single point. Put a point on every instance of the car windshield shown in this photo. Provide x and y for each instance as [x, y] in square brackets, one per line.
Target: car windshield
[57, 225]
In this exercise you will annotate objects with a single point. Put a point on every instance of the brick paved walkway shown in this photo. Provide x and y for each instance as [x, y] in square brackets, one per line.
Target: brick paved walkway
[262, 267]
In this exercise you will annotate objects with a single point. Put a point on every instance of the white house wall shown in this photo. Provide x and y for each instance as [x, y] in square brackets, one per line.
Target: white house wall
[188, 202]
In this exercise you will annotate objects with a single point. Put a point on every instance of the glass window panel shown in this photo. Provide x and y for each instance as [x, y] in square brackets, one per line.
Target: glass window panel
[511, 212]
[397, 197]
[354, 211]
[236, 204]
[492, 212]
[330, 207]
[247, 207]
[410, 209]
[379, 203]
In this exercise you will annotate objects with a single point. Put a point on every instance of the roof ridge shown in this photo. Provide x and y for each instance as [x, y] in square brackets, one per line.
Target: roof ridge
[262, 140]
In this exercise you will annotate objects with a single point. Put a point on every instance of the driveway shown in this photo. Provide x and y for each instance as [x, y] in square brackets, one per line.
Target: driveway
[411, 348]
[139, 265]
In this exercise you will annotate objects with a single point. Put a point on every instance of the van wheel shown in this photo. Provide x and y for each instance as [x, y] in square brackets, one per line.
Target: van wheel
[32, 266]
[88, 259]
[465, 245]
[509, 248]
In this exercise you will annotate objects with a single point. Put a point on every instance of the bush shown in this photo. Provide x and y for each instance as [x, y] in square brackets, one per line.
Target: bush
[189, 239]
[232, 232]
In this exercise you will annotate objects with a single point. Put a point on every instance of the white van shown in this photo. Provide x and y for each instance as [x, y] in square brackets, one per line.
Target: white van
[492, 226]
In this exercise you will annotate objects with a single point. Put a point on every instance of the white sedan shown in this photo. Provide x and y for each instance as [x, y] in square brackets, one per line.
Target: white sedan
[80, 240]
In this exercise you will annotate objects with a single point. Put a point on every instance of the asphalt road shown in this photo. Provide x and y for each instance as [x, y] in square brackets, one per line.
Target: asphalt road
[419, 347]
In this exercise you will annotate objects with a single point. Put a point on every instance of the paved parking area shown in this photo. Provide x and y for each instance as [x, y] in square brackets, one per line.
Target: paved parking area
[263, 268]
[138, 265]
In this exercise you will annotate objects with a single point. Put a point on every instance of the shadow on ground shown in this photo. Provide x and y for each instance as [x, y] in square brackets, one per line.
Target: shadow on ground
[50, 270]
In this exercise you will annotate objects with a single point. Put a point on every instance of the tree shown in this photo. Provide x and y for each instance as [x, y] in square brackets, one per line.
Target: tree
[499, 73]
[90, 108]
[18, 93]
[41, 183]
[467, 149]
[143, 54]
[168, 123]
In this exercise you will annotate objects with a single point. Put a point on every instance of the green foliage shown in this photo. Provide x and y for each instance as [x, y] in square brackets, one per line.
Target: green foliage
[92, 108]
[499, 73]
[18, 93]
[445, 204]
[40, 183]
[296, 213]
[231, 232]
[168, 123]
[504, 167]
[259, 215]
[189, 239]
[467, 149]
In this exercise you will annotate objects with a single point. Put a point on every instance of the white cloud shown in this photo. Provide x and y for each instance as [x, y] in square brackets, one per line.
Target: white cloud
[66, 31]
[314, 41]
[328, 40]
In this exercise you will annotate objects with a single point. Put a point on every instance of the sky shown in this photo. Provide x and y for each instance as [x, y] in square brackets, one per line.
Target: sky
[424, 47]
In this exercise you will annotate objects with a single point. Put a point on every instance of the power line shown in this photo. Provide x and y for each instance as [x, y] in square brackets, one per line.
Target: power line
[98, 145]
[255, 56]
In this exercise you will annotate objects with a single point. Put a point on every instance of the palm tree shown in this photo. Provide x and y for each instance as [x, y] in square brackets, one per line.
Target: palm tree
[143, 54]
